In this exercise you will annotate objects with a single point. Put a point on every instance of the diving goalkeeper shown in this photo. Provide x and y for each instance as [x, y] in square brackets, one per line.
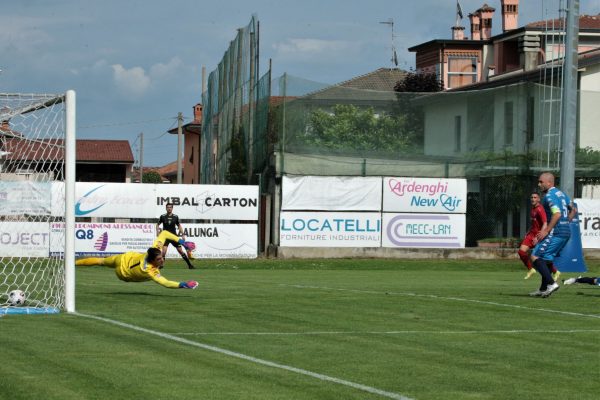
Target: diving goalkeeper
[141, 267]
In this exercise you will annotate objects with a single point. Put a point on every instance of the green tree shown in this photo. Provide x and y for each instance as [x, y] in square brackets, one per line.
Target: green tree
[151, 177]
[419, 82]
[349, 128]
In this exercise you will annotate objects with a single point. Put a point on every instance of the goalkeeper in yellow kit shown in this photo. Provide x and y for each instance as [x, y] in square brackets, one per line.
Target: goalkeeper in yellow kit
[141, 267]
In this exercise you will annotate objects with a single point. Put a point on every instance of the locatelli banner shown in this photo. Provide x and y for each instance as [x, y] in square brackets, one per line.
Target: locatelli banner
[330, 229]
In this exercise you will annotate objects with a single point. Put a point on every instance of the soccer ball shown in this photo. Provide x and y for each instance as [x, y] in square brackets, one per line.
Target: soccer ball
[16, 297]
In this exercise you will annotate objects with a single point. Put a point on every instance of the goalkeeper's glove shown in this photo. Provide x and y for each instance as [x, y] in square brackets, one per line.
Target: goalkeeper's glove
[188, 285]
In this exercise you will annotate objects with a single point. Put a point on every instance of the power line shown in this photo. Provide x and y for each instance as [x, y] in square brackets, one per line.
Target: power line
[127, 123]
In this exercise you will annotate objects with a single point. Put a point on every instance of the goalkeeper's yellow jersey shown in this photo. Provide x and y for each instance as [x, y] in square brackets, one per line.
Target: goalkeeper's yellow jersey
[132, 266]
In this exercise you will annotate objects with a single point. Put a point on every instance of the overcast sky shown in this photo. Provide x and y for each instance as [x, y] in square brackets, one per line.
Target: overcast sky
[136, 63]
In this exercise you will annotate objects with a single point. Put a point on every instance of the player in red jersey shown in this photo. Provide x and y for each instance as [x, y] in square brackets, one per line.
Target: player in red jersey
[539, 221]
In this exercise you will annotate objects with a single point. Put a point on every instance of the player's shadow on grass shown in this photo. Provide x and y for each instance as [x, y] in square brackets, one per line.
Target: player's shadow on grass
[578, 293]
[137, 294]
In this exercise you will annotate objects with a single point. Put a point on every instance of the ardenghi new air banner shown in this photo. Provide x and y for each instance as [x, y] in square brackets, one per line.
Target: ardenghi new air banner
[424, 212]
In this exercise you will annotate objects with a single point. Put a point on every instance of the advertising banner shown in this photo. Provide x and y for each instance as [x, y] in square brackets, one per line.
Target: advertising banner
[221, 240]
[133, 200]
[25, 198]
[24, 239]
[424, 230]
[330, 229]
[425, 195]
[105, 239]
[331, 193]
[589, 222]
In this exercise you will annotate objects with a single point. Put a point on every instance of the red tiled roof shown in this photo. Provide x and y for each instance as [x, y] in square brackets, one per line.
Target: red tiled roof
[382, 79]
[104, 150]
[169, 169]
[29, 150]
[585, 22]
[52, 150]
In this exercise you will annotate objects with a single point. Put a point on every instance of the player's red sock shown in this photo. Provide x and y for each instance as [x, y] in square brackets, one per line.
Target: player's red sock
[525, 258]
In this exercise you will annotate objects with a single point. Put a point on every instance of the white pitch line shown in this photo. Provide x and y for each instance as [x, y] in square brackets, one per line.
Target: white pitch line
[432, 296]
[406, 332]
[255, 360]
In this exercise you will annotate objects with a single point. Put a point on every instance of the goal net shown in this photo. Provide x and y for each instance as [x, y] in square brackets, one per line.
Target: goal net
[37, 175]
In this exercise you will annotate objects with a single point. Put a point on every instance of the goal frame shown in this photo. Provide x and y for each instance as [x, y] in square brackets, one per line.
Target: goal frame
[69, 165]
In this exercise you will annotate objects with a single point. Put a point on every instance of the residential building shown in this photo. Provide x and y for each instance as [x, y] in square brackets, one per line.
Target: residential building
[461, 60]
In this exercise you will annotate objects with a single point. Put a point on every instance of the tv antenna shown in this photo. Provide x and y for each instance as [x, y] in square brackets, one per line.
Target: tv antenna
[390, 23]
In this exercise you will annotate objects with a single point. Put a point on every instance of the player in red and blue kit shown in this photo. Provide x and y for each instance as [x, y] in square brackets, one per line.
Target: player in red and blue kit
[538, 222]
[553, 238]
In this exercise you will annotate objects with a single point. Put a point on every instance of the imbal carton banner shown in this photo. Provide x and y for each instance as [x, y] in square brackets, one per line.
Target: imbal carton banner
[134, 200]
[425, 195]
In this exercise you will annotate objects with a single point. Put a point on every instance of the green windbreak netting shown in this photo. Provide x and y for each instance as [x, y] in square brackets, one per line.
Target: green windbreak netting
[235, 113]
[499, 139]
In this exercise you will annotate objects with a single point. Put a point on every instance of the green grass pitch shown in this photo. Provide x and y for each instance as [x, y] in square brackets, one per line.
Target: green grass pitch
[311, 329]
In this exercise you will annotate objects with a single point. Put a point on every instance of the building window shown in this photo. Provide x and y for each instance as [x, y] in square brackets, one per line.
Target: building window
[461, 71]
[457, 133]
[530, 119]
[508, 123]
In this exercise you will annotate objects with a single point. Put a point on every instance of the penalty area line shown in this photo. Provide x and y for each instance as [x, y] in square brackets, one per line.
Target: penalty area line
[245, 357]
[382, 333]
[435, 297]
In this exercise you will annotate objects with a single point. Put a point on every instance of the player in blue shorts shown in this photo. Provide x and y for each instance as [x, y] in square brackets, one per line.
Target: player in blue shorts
[551, 239]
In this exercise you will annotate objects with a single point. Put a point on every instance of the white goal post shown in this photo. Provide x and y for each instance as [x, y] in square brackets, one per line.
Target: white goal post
[37, 192]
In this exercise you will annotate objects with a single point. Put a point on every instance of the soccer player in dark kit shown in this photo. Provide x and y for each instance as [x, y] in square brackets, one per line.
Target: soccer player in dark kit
[170, 223]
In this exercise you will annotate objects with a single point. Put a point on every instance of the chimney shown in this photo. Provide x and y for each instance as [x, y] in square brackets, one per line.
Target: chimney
[529, 48]
[510, 14]
[198, 113]
[458, 32]
[485, 14]
[475, 26]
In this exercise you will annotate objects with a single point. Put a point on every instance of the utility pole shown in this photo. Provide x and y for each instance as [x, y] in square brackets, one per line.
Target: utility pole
[179, 145]
[141, 157]
[569, 103]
